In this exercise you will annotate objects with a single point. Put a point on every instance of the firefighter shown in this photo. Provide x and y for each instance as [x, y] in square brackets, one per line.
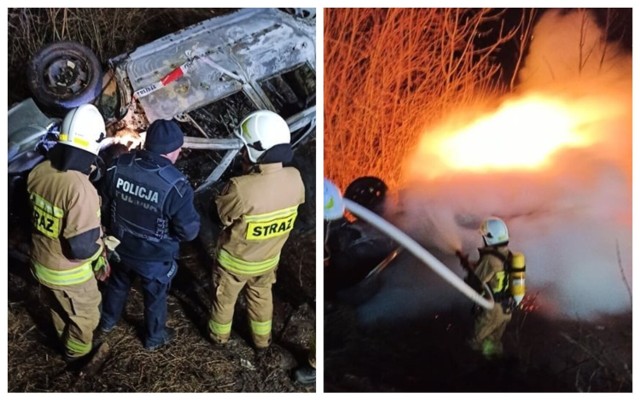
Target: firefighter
[67, 246]
[493, 269]
[149, 207]
[257, 212]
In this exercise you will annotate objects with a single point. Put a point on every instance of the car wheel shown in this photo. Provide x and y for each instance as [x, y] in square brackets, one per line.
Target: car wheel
[303, 13]
[64, 75]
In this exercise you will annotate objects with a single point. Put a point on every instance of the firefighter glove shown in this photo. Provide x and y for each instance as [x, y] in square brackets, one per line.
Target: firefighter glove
[101, 267]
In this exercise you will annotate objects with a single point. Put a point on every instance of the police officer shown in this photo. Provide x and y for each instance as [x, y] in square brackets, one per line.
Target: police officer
[257, 211]
[67, 236]
[149, 207]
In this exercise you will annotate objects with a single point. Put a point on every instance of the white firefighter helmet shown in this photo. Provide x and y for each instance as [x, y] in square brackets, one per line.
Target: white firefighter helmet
[260, 131]
[494, 231]
[333, 203]
[83, 128]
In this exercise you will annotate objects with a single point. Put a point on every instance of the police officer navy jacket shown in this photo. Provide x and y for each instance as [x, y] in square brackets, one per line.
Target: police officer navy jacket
[149, 206]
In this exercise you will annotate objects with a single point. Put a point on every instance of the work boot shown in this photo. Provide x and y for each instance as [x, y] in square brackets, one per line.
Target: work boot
[261, 352]
[305, 375]
[104, 329]
[169, 334]
[101, 334]
[96, 360]
[80, 363]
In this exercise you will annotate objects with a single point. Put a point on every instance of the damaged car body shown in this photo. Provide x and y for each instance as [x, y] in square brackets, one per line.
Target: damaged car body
[207, 77]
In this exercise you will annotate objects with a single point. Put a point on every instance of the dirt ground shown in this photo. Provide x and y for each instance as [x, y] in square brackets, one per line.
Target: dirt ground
[429, 355]
[190, 363]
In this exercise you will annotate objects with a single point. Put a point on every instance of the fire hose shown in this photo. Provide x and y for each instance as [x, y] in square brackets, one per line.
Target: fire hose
[421, 253]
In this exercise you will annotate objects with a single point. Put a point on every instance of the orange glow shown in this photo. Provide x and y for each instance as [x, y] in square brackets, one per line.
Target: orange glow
[522, 134]
[129, 138]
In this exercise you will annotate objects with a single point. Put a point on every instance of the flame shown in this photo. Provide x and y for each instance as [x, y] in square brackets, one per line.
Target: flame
[521, 134]
[129, 138]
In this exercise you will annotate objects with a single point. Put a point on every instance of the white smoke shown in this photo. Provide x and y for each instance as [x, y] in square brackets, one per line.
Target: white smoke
[572, 218]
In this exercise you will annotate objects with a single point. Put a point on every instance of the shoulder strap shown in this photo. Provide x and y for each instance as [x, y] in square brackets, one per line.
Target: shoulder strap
[506, 260]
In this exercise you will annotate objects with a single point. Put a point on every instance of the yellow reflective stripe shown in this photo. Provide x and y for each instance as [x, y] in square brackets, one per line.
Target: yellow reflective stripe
[263, 230]
[271, 215]
[501, 277]
[261, 328]
[47, 218]
[219, 329]
[81, 142]
[67, 277]
[78, 348]
[40, 202]
[242, 267]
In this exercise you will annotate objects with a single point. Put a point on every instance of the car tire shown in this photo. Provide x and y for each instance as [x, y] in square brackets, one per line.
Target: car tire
[302, 13]
[64, 75]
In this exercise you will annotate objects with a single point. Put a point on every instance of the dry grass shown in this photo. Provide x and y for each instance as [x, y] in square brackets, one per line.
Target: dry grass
[389, 73]
[190, 363]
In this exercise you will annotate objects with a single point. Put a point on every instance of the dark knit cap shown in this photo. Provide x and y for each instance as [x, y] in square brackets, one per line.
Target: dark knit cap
[163, 136]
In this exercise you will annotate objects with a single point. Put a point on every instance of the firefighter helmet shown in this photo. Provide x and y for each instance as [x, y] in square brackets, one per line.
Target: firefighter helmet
[494, 231]
[333, 204]
[262, 130]
[368, 191]
[83, 127]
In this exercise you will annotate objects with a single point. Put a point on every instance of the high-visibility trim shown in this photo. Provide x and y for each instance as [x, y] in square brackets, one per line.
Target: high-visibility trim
[77, 348]
[81, 142]
[269, 225]
[73, 276]
[219, 329]
[67, 277]
[261, 328]
[242, 267]
[502, 284]
[47, 218]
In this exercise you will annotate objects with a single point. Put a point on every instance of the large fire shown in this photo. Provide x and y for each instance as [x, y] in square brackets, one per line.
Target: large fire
[522, 134]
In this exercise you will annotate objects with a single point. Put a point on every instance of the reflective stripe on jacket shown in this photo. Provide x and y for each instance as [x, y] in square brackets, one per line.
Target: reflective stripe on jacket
[73, 276]
[242, 267]
[64, 205]
[258, 211]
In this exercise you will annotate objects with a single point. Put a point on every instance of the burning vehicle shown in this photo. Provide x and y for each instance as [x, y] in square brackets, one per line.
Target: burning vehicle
[355, 251]
[207, 76]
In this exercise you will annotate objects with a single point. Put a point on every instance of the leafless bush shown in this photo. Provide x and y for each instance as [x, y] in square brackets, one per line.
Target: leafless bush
[391, 72]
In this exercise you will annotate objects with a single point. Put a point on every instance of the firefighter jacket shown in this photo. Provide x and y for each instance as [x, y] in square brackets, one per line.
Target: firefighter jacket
[148, 205]
[258, 212]
[491, 269]
[65, 206]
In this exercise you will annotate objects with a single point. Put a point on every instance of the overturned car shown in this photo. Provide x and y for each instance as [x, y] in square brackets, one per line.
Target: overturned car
[208, 77]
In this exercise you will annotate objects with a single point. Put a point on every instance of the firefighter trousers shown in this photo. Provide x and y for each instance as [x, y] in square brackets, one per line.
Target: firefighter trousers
[489, 328]
[75, 313]
[227, 287]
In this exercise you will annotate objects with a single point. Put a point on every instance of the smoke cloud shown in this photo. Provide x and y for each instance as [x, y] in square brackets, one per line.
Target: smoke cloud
[570, 216]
